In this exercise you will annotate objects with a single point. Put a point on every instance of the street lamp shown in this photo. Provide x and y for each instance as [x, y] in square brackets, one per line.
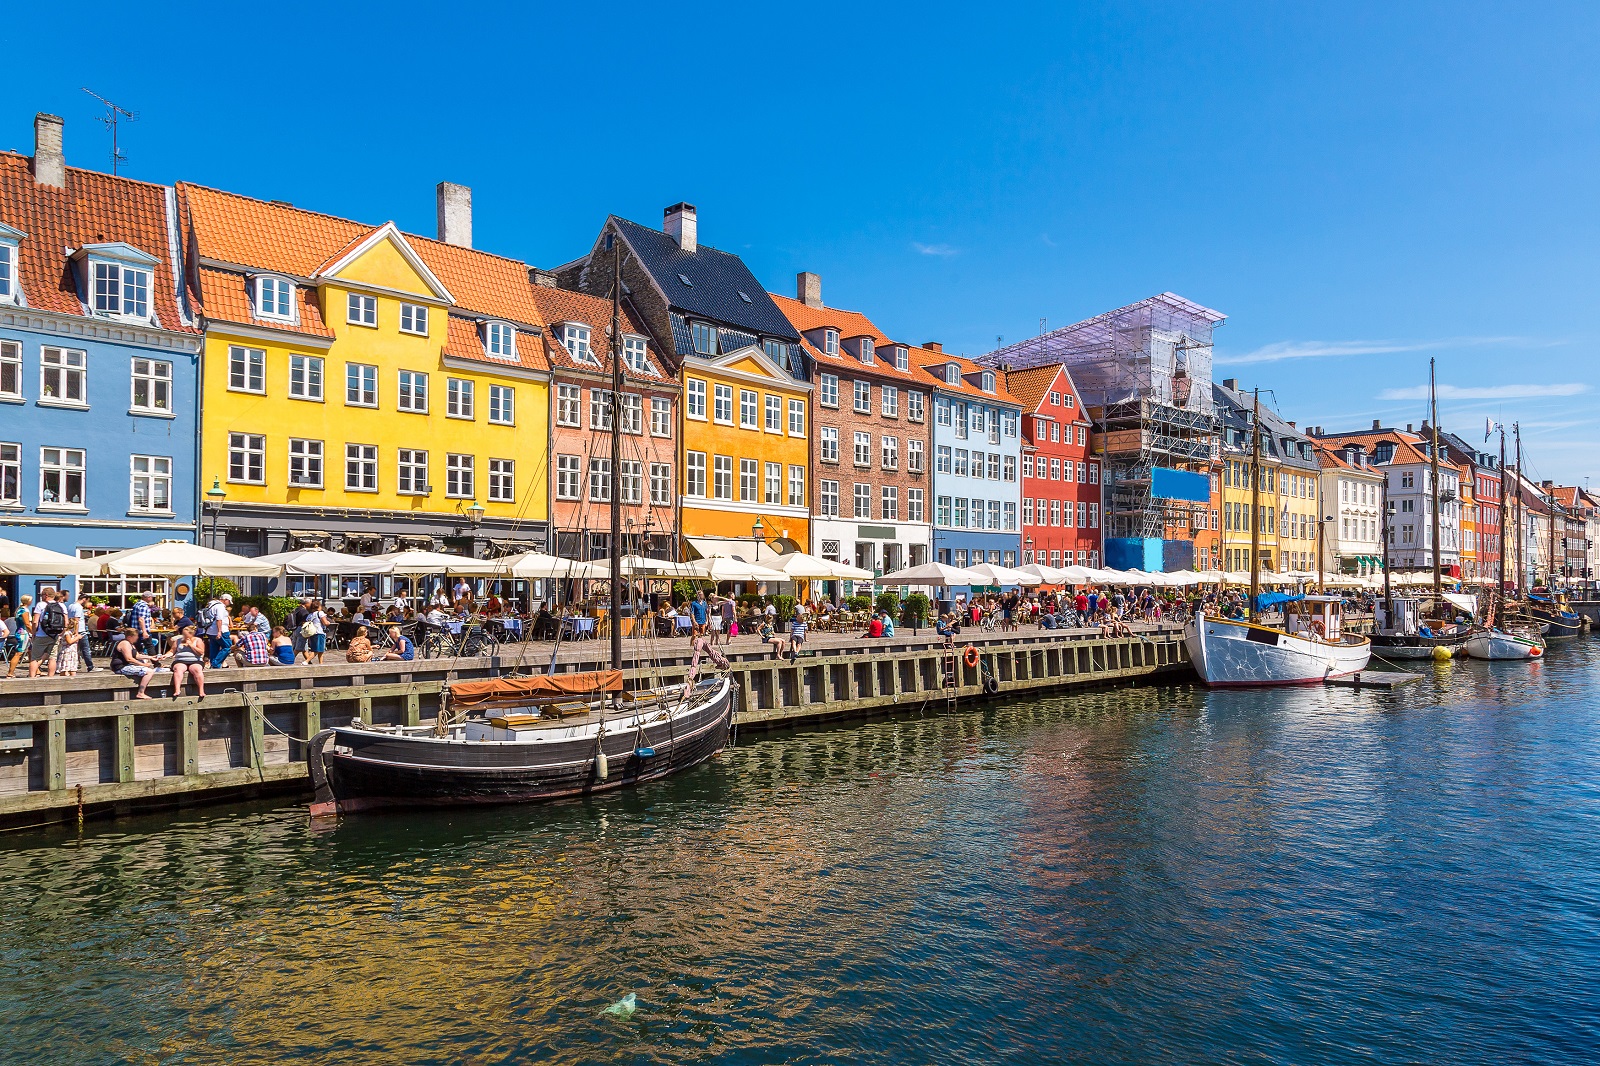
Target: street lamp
[1388, 516]
[755, 534]
[217, 495]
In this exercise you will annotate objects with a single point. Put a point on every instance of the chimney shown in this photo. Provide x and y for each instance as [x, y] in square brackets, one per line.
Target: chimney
[808, 288]
[1376, 424]
[933, 346]
[455, 214]
[49, 162]
[542, 278]
[1408, 427]
[1231, 383]
[680, 225]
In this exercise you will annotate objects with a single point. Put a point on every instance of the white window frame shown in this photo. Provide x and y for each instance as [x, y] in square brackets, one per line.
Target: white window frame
[694, 465]
[408, 394]
[252, 449]
[65, 468]
[460, 476]
[914, 455]
[267, 303]
[866, 351]
[772, 484]
[862, 397]
[10, 474]
[119, 289]
[8, 271]
[829, 396]
[411, 472]
[575, 338]
[797, 418]
[634, 353]
[914, 505]
[861, 501]
[830, 342]
[660, 416]
[722, 477]
[360, 460]
[630, 479]
[569, 405]
[829, 444]
[600, 409]
[797, 485]
[916, 407]
[253, 364]
[71, 365]
[749, 409]
[569, 477]
[413, 319]
[460, 399]
[772, 411]
[889, 401]
[502, 405]
[828, 505]
[500, 340]
[152, 476]
[307, 377]
[660, 484]
[942, 458]
[890, 452]
[889, 503]
[502, 481]
[902, 357]
[722, 400]
[694, 402]
[862, 452]
[366, 375]
[156, 374]
[361, 310]
[749, 481]
[305, 452]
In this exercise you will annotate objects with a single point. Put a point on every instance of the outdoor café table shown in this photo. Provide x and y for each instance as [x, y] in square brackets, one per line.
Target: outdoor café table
[579, 628]
[511, 627]
[682, 623]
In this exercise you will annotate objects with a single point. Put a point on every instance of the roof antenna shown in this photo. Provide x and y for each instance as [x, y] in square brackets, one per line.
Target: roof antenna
[114, 114]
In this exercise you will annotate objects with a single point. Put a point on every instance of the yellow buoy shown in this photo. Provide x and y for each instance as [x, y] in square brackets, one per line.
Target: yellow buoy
[1441, 654]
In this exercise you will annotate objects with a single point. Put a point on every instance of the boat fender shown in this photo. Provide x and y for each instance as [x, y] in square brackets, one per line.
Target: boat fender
[322, 794]
[1441, 654]
[991, 687]
[602, 765]
[1534, 653]
[969, 655]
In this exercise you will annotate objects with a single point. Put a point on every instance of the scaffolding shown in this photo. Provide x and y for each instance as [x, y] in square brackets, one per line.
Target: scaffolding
[1144, 373]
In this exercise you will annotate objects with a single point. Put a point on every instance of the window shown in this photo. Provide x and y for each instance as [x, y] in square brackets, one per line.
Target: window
[412, 472]
[797, 418]
[961, 462]
[863, 448]
[958, 413]
[567, 477]
[1083, 514]
[414, 319]
[305, 463]
[152, 385]
[1027, 465]
[660, 416]
[914, 512]
[695, 472]
[704, 336]
[952, 374]
[722, 404]
[599, 408]
[503, 480]
[1010, 468]
[273, 296]
[797, 485]
[891, 453]
[914, 406]
[994, 513]
[959, 518]
[890, 401]
[773, 484]
[633, 349]
[60, 478]
[305, 377]
[1054, 464]
[774, 412]
[1010, 518]
[748, 402]
[863, 501]
[1066, 399]
[830, 499]
[1094, 516]
[500, 340]
[1080, 444]
[362, 310]
[361, 467]
[695, 406]
[567, 401]
[987, 381]
[458, 398]
[889, 504]
[11, 369]
[502, 405]
[993, 466]
[599, 479]
[632, 413]
[747, 480]
[247, 369]
[941, 459]
[830, 342]
[942, 510]
[1027, 510]
[661, 484]
[866, 350]
[830, 390]
[151, 488]
[1083, 478]
[121, 290]
[575, 339]
[994, 428]
[1055, 432]
[414, 391]
[902, 358]
[632, 481]
[247, 458]
[830, 444]
[722, 477]
[863, 398]
[914, 455]
[360, 385]
[1094, 473]
[11, 474]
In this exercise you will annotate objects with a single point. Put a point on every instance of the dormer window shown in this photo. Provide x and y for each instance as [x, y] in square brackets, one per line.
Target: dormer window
[988, 381]
[575, 338]
[952, 374]
[866, 350]
[830, 342]
[777, 351]
[500, 340]
[633, 349]
[275, 298]
[704, 337]
[119, 289]
[9, 240]
[902, 358]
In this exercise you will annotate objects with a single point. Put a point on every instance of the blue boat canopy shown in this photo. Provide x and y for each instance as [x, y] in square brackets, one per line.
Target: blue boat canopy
[1265, 600]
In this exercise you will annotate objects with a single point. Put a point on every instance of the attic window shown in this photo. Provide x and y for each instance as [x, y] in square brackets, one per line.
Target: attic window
[575, 338]
[988, 381]
[866, 350]
[685, 279]
[274, 298]
[830, 342]
[120, 290]
[500, 340]
[952, 374]
[742, 295]
[902, 358]
[8, 271]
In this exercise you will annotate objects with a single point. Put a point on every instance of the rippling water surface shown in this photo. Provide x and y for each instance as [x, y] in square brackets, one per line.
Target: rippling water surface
[1139, 875]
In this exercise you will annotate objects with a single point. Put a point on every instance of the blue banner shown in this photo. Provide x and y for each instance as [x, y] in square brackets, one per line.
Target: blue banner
[1169, 484]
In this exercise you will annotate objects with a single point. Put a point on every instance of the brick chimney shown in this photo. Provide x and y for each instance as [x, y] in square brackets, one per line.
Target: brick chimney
[1231, 383]
[933, 346]
[1376, 424]
[680, 225]
[455, 214]
[808, 288]
[541, 278]
[49, 161]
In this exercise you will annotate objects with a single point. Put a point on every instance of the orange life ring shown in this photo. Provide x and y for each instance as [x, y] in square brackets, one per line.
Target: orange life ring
[969, 655]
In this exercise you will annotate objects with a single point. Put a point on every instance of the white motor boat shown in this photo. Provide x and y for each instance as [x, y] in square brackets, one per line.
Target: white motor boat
[1497, 644]
[1310, 647]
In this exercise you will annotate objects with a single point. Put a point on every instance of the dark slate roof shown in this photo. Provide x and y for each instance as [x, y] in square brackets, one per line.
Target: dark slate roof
[717, 278]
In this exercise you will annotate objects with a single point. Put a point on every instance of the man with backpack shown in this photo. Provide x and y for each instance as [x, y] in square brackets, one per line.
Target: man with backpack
[78, 613]
[219, 630]
[49, 623]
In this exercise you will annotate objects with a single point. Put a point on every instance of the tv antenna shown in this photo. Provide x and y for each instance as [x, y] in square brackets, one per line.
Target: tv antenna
[114, 114]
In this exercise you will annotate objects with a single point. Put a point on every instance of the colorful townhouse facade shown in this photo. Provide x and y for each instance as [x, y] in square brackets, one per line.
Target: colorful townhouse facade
[1353, 489]
[365, 389]
[977, 458]
[1403, 457]
[99, 356]
[744, 441]
[580, 353]
[871, 438]
[1479, 476]
[1249, 517]
[1060, 477]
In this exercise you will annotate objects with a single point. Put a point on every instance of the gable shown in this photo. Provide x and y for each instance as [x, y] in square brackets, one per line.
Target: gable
[750, 362]
[384, 259]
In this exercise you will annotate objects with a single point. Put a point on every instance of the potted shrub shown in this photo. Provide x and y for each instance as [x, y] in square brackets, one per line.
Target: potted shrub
[784, 605]
[858, 603]
[888, 601]
[915, 611]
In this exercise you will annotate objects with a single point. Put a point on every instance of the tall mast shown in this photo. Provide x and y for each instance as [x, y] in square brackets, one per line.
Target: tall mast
[1500, 586]
[616, 454]
[1255, 505]
[1433, 473]
[1550, 578]
[1516, 433]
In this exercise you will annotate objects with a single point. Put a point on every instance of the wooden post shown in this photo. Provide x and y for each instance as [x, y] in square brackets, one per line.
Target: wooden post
[413, 714]
[55, 764]
[124, 748]
[258, 738]
[189, 741]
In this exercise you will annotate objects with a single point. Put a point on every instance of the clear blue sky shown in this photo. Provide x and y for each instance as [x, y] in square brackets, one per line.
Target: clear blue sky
[1356, 192]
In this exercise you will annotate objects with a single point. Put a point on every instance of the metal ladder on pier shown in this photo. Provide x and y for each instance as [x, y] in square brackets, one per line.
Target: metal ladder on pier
[952, 677]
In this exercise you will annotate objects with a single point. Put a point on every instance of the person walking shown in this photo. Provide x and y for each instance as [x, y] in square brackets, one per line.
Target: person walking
[67, 661]
[144, 623]
[49, 622]
[219, 629]
[79, 612]
[19, 631]
[698, 613]
[315, 631]
[297, 623]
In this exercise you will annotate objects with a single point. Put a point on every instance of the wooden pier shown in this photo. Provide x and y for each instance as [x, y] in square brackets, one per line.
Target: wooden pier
[84, 747]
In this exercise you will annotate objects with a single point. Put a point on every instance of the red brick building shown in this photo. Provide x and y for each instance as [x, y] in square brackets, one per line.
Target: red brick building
[1060, 479]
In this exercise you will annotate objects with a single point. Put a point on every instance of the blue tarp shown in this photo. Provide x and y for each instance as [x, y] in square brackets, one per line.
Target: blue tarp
[1267, 600]
[1169, 484]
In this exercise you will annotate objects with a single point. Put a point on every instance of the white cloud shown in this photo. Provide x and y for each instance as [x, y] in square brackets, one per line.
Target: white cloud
[1281, 350]
[942, 250]
[1486, 392]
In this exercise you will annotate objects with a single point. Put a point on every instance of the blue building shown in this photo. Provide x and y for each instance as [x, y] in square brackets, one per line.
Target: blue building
[98, 365]
[977, 447]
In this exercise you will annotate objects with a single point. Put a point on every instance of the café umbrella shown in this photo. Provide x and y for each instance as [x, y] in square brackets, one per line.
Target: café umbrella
[18, 558]
[933, 574]
[1003, 575]
[179, 558]
[800, 566]
[321, 562]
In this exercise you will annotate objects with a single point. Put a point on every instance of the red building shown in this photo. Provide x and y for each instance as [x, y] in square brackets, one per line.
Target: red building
[1060, 480]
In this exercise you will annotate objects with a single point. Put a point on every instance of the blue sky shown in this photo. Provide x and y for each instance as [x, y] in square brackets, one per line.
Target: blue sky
[1357, 193]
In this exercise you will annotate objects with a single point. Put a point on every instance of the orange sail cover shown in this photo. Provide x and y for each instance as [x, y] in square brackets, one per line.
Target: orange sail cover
[522, 689]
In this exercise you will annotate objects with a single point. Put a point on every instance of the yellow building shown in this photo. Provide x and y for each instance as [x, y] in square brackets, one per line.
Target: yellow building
[1288, 504]
[1236, 513]
[745, 449]
[364, 389]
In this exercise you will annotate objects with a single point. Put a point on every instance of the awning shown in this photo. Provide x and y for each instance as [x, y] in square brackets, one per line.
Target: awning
[308, 536]
[499, 548]
[729, 548]
[414, 541]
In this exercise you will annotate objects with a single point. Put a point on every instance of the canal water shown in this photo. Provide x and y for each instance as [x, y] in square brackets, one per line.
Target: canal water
[1129, 876]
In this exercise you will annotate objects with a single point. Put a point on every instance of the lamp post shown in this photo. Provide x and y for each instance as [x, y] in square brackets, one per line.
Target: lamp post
[217, 495]
[1388, 516]
[755, 534]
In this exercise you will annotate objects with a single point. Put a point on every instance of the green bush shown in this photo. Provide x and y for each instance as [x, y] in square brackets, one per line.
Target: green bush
[888, 601]
[209, 588]
[784, 606]
[916, 609]
[683, 591]
[858, 603]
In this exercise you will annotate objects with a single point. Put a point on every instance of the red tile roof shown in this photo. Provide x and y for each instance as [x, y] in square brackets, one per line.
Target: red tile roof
[929, 364]
[1032, 387]
[563, 305]
[94, 208]
[804, 318]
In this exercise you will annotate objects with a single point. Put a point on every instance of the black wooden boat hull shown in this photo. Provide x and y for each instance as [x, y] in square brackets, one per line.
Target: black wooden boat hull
[1391, 646]
[370, 770]
[1561, 625]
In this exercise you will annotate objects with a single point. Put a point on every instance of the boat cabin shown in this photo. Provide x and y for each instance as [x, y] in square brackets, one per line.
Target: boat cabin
[1315, 616]
[1401, 620]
